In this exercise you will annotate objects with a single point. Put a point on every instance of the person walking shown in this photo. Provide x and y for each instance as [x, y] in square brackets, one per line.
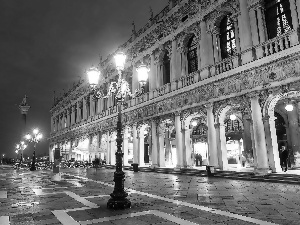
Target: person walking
[284, 158]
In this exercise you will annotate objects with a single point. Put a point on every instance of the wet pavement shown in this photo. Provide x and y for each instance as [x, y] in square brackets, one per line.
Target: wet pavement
[28, 197]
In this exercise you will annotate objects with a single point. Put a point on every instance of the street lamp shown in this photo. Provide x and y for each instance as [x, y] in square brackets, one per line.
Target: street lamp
[3, 158]
[35, 138]
[120, 90]
[21, 147]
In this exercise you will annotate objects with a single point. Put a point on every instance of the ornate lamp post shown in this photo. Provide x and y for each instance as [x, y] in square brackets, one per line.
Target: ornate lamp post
[120, 89]
[21, 147]
[35, 138]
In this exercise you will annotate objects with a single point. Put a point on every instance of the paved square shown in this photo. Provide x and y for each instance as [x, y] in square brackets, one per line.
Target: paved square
[81, 197]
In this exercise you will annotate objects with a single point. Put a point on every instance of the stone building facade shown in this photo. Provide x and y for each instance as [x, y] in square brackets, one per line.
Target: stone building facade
[221, 75]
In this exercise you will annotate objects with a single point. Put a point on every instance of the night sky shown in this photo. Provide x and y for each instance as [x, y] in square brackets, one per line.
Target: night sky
[46, 45]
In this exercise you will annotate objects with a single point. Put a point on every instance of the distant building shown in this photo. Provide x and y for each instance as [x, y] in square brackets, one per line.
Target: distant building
[221, 76]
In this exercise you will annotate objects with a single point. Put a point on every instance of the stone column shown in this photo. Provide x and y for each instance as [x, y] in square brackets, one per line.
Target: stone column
[204, 48]
[216, 46]
[73, 119]
[135, 83]
[79, 116]
[184, 68]
[174, 72]
[61, 121]
[152, 73]
[179, 140]
[125, 146]
[113, 147]
[259, 135]
[272, 146]
[211, 137]
[221, 146]
[245, 31]
[298, 9]
[261, 24]
[254, 27]
[108, 158]
[154, 143]
[92, 106]
[161, 145]
[294, 134]
[141, 147]
[253, 144]
[168, 148]
[67, 117]
[56, 123]
[244, 26]
[188, 147]
[237, 35]
[199, 56]
[99, 105]
[294, 15]
[84, 116]
[135, 144]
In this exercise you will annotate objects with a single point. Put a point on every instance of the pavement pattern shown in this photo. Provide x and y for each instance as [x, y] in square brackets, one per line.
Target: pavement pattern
[30, 197]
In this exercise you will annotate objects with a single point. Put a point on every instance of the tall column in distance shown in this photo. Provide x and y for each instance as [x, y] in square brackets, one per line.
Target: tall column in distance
[24, 108]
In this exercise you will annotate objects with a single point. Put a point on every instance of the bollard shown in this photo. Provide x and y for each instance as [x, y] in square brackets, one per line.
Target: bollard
[210, 171]
[135, 167]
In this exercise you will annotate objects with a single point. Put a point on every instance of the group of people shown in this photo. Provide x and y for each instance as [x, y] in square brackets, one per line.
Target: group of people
[284, 156]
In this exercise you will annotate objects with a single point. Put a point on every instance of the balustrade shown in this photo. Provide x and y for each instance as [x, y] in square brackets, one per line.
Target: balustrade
[277, 44]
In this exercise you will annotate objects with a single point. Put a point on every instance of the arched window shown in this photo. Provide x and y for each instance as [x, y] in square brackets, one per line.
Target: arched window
[227, 37]
[278, 17]
[192, 55]
[166, 69]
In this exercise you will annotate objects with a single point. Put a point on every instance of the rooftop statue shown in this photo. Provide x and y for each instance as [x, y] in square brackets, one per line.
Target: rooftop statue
[24, 101]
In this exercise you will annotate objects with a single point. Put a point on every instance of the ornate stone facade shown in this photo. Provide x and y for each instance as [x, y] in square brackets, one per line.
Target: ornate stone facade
[252, 84]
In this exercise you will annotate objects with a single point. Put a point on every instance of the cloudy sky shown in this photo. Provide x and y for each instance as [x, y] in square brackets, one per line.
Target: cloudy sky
[45, 45]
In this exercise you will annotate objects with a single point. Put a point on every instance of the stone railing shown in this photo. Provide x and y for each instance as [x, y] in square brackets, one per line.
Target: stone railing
[228, 64]
[277, 44]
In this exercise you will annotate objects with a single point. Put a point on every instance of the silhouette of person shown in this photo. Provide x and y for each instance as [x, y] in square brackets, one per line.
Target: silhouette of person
[284, 158]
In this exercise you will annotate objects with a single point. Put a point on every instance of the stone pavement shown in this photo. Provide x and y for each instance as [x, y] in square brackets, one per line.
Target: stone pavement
[80, 198]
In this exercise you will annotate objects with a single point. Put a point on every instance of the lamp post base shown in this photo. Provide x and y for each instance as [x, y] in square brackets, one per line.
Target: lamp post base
[118, 202]
[32, 168]
[118, 198]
